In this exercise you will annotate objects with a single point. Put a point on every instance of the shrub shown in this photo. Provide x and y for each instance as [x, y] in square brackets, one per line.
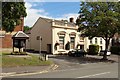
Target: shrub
[93, 49]
[115, 49]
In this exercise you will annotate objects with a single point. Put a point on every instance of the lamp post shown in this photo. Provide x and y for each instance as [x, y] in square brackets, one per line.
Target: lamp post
[40, 38]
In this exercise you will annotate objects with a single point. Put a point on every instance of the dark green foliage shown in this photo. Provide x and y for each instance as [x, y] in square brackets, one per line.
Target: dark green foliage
[93, 49]
[56, 44]
[67, 46]
[115, 50]
[26, 28]
[11, 14]
[99, 19]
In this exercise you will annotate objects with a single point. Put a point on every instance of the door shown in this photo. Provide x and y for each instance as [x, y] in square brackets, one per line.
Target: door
[82, 47]
[49, 48]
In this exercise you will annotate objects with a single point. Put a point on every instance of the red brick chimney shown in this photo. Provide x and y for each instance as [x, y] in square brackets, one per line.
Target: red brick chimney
[20, 27]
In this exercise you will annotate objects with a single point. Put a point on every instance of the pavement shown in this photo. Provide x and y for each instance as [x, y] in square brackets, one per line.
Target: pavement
[43, 69]
[26, 69]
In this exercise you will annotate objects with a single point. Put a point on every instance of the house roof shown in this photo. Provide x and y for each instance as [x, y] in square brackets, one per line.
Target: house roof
[59, 21]
[20, 34]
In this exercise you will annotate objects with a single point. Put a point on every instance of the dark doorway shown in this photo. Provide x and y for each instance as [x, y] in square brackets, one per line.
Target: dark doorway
[82, 47]
[49, 48]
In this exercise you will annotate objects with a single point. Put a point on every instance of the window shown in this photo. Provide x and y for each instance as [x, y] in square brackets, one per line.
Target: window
[72, 42]
[100, 40]
[95, 40]
[90, 41]
[61, 42]
[100, 47]
[38, 38]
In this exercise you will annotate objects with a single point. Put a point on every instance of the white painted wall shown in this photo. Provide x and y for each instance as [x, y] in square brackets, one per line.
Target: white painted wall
[87, 43]
[55, 37]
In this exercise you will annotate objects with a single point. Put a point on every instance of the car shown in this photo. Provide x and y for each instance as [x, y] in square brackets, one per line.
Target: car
[101, 53]
[77, 53]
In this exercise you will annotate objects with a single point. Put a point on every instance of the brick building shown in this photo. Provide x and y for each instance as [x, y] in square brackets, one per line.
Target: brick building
[6, 38]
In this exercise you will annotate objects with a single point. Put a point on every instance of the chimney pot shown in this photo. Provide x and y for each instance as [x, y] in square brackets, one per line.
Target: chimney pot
[72, 20]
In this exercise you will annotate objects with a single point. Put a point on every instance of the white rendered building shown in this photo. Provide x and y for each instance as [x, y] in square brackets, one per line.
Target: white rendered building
[55, 34]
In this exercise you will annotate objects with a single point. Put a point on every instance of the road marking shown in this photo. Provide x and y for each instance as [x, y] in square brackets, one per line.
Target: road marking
[24, 74]
[93, 75]
[55, 67]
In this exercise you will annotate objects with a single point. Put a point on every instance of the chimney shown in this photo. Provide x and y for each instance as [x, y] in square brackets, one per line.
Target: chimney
[72, 20]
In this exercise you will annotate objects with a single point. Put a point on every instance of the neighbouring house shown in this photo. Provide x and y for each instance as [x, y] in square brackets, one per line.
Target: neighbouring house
[98, 41]
[116, 40]
[6, 38]
[58, 36]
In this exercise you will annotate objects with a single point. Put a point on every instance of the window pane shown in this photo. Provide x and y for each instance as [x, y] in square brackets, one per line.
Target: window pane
[90, 41]
[72, 41]
[95, 40]
[100, 40]
[61, 42]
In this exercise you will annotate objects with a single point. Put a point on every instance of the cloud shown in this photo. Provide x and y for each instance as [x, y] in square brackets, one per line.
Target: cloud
[54, 0]
[33, 14]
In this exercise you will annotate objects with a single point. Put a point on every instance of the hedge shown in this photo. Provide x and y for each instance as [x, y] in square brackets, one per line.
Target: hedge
[93, 50]
[115, 49]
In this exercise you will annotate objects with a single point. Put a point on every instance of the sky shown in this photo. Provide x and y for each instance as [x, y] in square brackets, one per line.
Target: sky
[52, 10]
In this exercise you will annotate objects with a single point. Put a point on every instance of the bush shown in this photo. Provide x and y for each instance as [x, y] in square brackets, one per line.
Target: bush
[93, 50]
[115, 49]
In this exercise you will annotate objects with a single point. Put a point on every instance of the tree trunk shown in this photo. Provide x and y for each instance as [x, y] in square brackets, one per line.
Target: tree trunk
[19, 50]
[106, 48]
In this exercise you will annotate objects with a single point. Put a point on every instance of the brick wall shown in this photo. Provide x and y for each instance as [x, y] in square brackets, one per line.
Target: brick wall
[6, 41]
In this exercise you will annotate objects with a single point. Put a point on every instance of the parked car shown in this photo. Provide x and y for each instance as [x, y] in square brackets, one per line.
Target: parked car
[77, 53]
[101, 53]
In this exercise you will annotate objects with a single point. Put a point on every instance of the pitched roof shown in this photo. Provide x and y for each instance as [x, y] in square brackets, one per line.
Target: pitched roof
[20, 34]
[62, 22]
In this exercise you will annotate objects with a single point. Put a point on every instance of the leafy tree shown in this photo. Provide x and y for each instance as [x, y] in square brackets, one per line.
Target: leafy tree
[27, 28]
[11, 14]
[99, 19]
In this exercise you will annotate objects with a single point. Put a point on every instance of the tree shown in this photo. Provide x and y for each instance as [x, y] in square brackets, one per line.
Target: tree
[27, 28]
[11, 14]
[99, 19]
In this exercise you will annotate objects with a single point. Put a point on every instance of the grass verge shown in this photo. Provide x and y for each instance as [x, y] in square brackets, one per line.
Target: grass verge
[26, 60]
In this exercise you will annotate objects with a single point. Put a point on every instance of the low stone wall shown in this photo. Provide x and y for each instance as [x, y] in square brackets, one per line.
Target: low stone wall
[9, 49]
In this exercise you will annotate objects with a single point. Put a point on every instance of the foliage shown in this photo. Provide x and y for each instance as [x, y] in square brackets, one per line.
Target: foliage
[93, 49]
[67, 46]
[26, 28]
[99, 19]
[115, 49]
[11, 14]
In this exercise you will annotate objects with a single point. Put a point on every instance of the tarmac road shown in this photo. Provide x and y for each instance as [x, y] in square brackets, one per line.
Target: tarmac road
[73, 68]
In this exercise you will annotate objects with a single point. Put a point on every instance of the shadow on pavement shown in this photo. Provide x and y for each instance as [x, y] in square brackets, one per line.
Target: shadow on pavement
[81, 60]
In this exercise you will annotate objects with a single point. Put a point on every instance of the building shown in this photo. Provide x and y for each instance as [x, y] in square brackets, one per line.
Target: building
[96, 40]
[116, 40]
[54, 36]
[6, 38]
